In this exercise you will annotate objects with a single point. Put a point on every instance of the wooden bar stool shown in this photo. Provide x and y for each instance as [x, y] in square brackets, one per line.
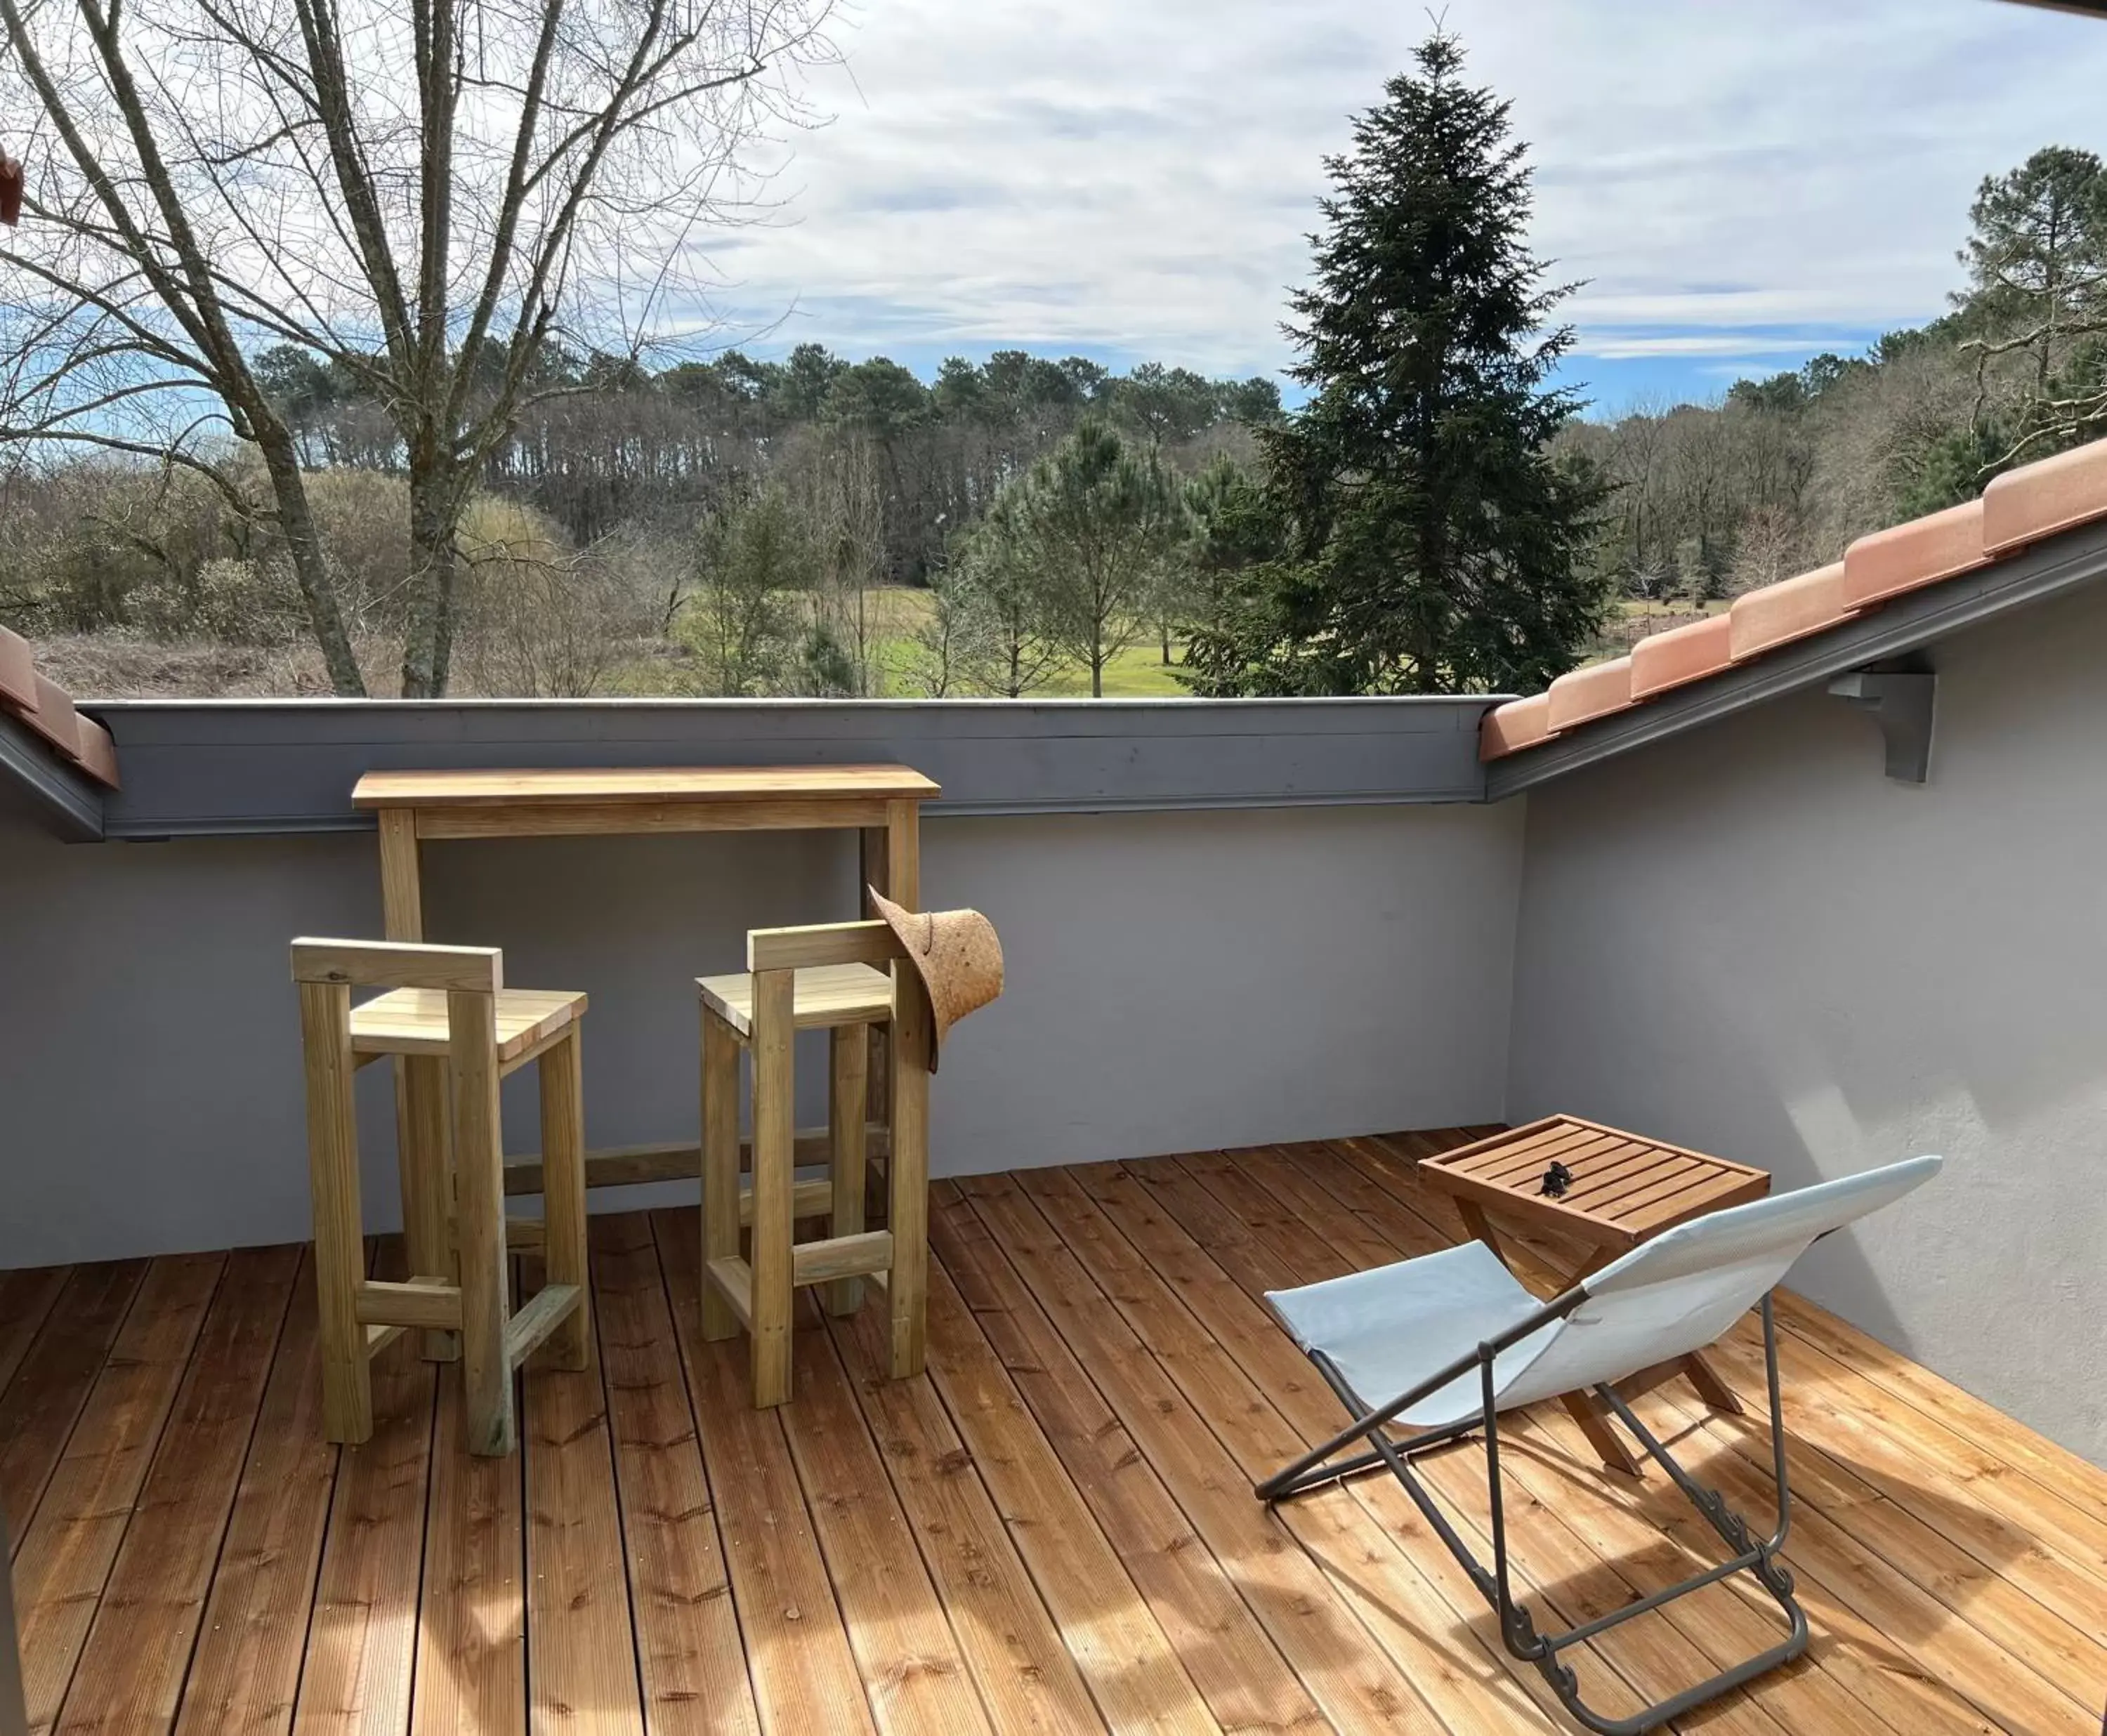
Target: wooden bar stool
[447, 1013]
[802, 979]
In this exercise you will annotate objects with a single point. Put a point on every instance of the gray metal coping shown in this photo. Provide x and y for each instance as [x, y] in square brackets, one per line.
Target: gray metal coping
[216, 767]
[35, 780]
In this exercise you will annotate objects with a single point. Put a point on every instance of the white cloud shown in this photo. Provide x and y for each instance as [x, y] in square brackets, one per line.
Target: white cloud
[1138, 178]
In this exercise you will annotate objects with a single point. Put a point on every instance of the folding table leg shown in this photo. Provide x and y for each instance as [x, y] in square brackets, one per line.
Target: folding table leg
[1601, 1436]
[1710, 1388]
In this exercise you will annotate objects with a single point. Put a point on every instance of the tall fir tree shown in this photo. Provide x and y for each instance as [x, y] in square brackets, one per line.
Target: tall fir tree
[1427, 539]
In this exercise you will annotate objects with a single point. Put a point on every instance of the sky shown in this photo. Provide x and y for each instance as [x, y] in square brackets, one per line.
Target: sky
[1740, 187]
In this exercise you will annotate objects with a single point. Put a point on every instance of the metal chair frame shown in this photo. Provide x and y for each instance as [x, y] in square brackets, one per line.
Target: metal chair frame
[1518, 1630]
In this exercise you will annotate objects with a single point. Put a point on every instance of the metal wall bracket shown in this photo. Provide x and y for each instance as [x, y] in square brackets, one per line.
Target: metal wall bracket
[1902, 703]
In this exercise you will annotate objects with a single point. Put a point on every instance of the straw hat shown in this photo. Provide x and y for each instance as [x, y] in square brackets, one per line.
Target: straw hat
[957, 955]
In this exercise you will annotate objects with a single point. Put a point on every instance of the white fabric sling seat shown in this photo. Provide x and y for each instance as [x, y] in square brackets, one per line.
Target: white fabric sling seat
[1442, 1344]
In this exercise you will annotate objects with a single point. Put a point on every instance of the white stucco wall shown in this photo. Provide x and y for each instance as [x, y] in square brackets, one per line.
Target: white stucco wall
[1178, 981]
[1747, 941]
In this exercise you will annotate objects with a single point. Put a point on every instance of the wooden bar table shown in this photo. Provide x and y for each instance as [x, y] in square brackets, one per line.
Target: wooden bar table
[883, 804]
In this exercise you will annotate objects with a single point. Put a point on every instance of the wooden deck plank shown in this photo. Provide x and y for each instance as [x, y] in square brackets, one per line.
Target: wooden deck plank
[1419, 1603]
[1026, 1677]
[1233, 1663]
[26, 1300]
[471, 1658]
[2056, 1468]
[688, 1650]
[362, 1631]
[1059, 1514]
[64, 1563]
[163, 1569]
[1314, 1617]
[798, 1658]
[40, 1405]
[254, 1632]
[1110, 1628]
[1221, 1258]
[898, 1625]
[581, 1659]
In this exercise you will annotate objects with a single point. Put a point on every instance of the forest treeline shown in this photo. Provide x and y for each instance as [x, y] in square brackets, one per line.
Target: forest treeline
[1438, 512]
[711, 526]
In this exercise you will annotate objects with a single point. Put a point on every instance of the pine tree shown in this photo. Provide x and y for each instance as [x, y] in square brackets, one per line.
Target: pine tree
[1430, 543]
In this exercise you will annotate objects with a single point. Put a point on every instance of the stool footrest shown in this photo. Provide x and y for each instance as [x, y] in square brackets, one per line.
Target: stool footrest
[524, 1332]
[813, 1198]
[433, 1303]
[732, 1279]
[840, 1257]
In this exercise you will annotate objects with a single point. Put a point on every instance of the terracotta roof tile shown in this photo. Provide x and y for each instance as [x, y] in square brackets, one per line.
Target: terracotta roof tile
[1909, 556]
[1689, 652]
[18, 673]
[2023, 507]
[98, 753]
[1510, 728]
[1791, 609]
[2057, 494]
[45, 707]
[55, 718]
[1582, 694]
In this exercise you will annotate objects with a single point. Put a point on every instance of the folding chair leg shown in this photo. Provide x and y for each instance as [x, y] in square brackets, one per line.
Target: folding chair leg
[1757, 1558]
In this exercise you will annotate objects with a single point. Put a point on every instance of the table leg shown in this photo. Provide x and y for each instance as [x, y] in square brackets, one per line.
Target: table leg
[1479, 1225]
[874, 862]
[907, 1172]
[423, 1137]
[1710, 1388]
[402, 892]
[1581, 1406]
[903, 853]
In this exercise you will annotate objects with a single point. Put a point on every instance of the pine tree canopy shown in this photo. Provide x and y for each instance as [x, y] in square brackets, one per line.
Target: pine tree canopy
[1428, 542]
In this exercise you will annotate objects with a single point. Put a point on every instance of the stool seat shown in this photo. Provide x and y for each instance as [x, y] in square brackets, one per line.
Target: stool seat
[825, 995]
[413, 1021]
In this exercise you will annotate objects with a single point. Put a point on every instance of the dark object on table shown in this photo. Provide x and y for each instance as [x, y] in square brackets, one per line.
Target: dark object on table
[1557, 1179]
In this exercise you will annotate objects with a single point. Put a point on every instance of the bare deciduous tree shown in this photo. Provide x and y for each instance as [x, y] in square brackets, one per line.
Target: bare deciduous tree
[427, 194]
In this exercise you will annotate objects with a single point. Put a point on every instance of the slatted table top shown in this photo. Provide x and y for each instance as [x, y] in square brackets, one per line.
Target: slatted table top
[661, 783]
[1624, 1188]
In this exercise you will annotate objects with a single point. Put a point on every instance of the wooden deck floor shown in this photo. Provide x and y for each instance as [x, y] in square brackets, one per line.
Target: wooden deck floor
[1053, 1531]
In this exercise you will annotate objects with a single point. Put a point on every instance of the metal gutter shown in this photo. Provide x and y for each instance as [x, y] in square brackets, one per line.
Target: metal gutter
[62, 798]
[220, 768]
[1910, 623]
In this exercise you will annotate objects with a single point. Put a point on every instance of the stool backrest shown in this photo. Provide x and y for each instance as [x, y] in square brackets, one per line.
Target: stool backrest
[1687, 1287]
[398, 964]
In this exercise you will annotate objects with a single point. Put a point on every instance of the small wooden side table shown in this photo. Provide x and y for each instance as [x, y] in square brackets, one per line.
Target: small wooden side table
[1619, 1190]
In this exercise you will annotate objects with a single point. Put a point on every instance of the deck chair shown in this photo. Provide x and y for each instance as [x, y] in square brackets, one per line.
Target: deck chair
[1457, 1340]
